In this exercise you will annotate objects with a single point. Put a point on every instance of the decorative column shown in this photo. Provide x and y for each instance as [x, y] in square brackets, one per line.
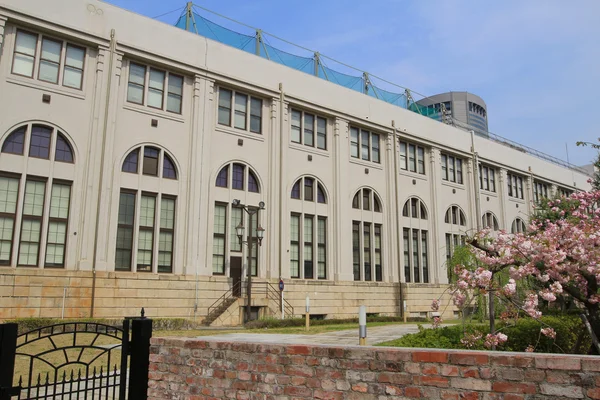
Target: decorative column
[503, 197]
[390, 253]
[434, 155]
[2, 25]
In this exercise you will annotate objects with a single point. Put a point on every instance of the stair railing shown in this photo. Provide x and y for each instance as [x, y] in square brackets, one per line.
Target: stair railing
[226, 296]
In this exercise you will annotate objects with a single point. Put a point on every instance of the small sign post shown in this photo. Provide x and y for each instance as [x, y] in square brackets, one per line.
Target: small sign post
[307, 315]
[281, 287]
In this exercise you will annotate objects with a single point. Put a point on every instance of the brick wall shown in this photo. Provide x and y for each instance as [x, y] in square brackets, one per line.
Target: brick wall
[193, 369]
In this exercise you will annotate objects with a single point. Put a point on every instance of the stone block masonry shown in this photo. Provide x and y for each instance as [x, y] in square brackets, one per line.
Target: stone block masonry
[195, 369]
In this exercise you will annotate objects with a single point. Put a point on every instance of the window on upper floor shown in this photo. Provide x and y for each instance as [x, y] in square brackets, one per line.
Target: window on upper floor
[304, 189]
[452, 168]
[518, 226]
[540, 191]
[412, 157]
[154, 88]
[562, 192]
[364, 145]
[490, 221]
[455, 216]
[152, 158]
[48, 60]
[304, 128]
[41, 139]
[240, 110]
[515, 186]
[238, 174]
[414, 208]
[487, 178]
[367, 200]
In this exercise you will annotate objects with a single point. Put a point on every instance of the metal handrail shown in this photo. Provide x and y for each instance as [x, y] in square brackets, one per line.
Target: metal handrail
[225, 296]
[272, 293]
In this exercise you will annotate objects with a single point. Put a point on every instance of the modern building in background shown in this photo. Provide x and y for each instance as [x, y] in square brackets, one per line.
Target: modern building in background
[467, 110]
[128, 147]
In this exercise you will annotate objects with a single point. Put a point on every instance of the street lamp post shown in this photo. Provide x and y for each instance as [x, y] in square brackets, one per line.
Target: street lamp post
[260, 232]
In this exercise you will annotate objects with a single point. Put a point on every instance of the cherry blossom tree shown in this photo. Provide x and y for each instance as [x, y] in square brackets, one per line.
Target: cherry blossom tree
[560, 250]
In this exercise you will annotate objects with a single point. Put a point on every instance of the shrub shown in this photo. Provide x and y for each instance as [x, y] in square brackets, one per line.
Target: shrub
[271, 322]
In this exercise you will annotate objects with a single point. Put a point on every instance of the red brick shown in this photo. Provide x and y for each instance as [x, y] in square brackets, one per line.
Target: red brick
[430, 356]
[510, 396]
[512, 361]
[327, 395]
[470, 384]
[298, 380]
[412, 368]
[298, 349]
[590, 364]
[450, 395]
[561, 391]
[412, 391]
[469, 372]
[299, 371]
[564, 363]
[535, 375]
[360, 387]
[430, 370]
[469, 359]
[594, 393]
[512, 374]
[436, 381]
[393, 390]
[512, 387]
[297, 391]
[469, 395]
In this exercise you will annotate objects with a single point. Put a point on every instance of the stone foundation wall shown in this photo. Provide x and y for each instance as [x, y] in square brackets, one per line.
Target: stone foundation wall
[196, 369]
[29, 292]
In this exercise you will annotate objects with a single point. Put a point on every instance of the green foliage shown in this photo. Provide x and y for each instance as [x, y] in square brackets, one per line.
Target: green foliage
[596, 177]
[272, 323]
[551, 210]
[526, 332]
[158, 324]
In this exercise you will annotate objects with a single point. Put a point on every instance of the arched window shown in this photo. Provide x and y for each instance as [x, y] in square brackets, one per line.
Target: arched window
[367, 234]
[309, 230]
[518, 226]
[40, 139]
[152, 159]
[455, 216]
[366, 198]
[415, 241]
[304, 189]
[414, 208]
[489, 220]
[239, 181]
[37, 235]
[240, 174]
[146, 222]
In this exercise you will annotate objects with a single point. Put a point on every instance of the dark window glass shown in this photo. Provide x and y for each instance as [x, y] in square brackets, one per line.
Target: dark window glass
[131, 162]
[296, 190]
[375, 147]
[63, 150]
[320, 194]
[366, 199]
[169, 170]
[423, 212]
[223, 176]
[150, 161]
[308, 189]
[356, 250]
[255, 114]
[124, 246]
[252, 182]
[14, 142]
[238, 177]
[376, 203]
[225, 107]
[356, 200]
[40, 142]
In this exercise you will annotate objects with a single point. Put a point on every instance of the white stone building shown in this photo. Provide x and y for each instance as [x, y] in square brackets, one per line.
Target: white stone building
[125, 141]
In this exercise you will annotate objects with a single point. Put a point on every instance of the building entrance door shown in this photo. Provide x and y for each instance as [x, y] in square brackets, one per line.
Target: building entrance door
[235, 272]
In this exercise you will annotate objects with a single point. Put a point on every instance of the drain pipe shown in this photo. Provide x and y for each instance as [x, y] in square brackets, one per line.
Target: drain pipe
[113, 45]
[281, 149]
[398, 255]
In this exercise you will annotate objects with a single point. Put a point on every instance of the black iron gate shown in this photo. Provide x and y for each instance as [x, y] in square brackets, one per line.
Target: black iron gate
[76, 360]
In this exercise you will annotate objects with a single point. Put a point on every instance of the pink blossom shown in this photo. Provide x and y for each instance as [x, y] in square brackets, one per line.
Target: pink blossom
[549, 332]
[435, 305]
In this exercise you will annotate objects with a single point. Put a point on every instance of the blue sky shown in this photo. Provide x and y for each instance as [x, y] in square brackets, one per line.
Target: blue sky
[535, 63]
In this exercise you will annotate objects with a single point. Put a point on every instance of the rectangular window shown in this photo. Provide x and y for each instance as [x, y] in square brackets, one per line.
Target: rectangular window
[237, 218]
[412, 158]
[146, 233]
[125, 228]
[309, 133]
[150, 166]
[487, 179]
[415, 254]
[540, 191]
[166, 233]
[378, 268]
[225, 107]
[295, 246]
[241, 107]
[424, 260]
[406, 246]
[354, 142]
[356, 250]
[368, 142]
[137, 82]
[321, 133]
[451, 169]
[515, 186]
[255, 115]
[367, 251]
[73, 74]
[50, 60]
[520, 187]
[31, 224]
[219, 235]
[322, 248]
[308, 247]
[420, 160]
[403, 158]
[58, 225]
[296, 126]
[156, 88]
[25, 52]
[9, 193]
[175, 93]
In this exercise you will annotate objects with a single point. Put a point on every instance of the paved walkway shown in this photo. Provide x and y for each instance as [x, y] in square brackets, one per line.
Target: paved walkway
[375, 335]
